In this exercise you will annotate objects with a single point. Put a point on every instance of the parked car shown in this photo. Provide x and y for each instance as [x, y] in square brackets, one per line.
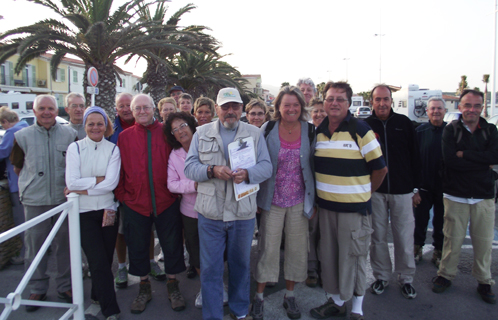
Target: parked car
[31, 120]
[450, 116]
[363, 112]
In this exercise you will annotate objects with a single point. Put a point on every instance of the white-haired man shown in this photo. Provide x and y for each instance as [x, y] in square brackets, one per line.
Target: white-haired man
[39, 157]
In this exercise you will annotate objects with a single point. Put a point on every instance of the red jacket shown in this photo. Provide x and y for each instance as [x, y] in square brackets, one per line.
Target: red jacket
[134, 186]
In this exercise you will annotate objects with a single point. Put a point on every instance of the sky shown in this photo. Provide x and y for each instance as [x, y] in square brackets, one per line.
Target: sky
[431, 43]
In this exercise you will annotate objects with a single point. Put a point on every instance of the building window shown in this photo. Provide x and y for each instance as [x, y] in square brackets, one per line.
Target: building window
[75, 76]
[60, 76]
[124, 83]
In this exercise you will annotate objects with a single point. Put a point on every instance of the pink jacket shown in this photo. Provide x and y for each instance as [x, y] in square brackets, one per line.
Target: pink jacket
[178, 183]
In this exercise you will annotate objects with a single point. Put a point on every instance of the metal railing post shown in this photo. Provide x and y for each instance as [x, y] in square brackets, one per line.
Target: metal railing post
[75, 253]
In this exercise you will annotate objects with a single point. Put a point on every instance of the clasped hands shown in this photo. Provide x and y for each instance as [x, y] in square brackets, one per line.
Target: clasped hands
[224, 173]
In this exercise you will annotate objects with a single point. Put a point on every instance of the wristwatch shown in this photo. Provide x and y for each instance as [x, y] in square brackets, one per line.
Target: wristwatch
[415, 190]
[210, 172]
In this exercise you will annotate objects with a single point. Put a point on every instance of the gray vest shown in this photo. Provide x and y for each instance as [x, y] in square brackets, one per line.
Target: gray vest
[41, 181]
[213, 201]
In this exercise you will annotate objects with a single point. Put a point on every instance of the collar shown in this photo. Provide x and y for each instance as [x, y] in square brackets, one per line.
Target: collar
[324, 126]
[391, 113]
[94, 144]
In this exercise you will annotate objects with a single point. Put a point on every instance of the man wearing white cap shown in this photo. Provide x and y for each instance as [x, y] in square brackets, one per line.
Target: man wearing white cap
[223, 221]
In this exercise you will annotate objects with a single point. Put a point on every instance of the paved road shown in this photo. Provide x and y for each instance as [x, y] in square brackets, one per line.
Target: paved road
[461, 301]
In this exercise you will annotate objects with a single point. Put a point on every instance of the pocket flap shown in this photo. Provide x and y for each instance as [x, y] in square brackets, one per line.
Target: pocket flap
[357, 234]
[207, 189]
[208, 144]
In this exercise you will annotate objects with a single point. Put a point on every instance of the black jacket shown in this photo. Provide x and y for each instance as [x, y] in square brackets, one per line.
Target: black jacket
[429, 139]
[470, 176]
[399, 145]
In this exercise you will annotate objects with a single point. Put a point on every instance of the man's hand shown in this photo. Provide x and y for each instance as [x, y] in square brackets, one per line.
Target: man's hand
[222, 172]
[17, 170]
[416, 199]
[460, 154]
[240, 175]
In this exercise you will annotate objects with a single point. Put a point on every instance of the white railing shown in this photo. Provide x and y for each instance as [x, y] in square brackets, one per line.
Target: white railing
[71, 210]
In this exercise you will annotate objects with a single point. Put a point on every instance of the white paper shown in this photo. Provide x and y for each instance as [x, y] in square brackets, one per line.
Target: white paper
[242, 156]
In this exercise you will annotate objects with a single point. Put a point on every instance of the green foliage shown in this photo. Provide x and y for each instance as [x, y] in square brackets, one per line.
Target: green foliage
[284, 84]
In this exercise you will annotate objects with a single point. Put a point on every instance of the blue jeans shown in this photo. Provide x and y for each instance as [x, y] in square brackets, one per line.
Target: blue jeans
[214, 236]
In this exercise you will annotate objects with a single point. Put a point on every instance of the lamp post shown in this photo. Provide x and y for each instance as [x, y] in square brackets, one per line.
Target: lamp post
[346, 59]
[493, 94]
[380, 35]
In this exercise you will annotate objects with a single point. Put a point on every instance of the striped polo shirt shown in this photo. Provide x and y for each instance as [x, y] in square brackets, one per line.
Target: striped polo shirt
[343, 167]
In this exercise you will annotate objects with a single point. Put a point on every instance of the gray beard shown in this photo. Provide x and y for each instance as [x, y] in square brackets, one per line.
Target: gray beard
[228, 125]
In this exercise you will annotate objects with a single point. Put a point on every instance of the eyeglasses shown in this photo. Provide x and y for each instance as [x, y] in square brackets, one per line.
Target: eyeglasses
[182, 126]
[234, 105]
[339, 100]
[76, 106]
[256, 114]
[145, 109]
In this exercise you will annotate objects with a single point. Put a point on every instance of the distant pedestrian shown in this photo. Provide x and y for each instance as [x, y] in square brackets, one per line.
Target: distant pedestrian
[75, 107]
[470, 149]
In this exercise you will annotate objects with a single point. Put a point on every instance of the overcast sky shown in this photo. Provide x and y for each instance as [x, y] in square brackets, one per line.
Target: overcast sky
[427, 42]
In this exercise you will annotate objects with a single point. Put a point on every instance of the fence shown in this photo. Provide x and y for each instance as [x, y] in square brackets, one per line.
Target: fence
[13, 300]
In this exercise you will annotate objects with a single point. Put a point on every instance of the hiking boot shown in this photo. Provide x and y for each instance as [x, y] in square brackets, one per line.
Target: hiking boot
[436, 257]
[66, 296]
[356, 316]
[156, 272]
[174, 295]
[198, 299]
[312, 281]
[257, 309]
[291, 307]
[408, 291]
[378, 286]
[440, 284]
[121, 279]
[37, 297]
[486, 294]
[418, 253]
[144, 296]
[113, 317]
[329, 309]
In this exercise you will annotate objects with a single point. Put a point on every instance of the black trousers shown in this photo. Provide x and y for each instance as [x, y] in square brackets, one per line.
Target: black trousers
[169, 227]
[98, 244]
[422, 216]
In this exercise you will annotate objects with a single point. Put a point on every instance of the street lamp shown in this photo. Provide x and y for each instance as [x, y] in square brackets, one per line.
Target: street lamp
[346, 59]
[380, 35]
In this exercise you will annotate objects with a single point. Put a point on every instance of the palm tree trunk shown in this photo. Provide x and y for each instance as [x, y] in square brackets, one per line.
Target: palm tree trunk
[107, 88]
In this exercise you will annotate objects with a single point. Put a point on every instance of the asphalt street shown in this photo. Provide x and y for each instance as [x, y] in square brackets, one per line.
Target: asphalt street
[460, 301]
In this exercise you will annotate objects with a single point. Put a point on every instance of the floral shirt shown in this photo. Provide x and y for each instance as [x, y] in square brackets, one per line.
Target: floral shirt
[289, 183]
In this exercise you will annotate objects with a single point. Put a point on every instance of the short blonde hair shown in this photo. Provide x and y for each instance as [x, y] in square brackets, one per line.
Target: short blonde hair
[8, 115]
[256, 103]
[164, 101]
[204, 101]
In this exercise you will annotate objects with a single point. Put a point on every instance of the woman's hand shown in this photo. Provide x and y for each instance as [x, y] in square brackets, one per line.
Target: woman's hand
[67, 191]
[100, 179]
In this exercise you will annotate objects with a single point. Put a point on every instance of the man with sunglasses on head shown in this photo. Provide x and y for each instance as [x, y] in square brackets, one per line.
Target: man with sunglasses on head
[223, 221]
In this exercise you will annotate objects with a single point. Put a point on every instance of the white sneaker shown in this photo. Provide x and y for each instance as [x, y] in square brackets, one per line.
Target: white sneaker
[225, 295]
[198, 300]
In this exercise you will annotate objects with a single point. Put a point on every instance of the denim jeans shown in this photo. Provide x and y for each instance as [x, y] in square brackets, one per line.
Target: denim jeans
[214, 237]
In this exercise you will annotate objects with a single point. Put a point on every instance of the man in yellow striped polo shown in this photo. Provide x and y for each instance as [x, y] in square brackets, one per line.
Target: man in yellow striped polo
[349, 166]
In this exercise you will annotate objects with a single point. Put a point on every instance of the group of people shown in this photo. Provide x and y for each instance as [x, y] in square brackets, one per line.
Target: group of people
[329, 185]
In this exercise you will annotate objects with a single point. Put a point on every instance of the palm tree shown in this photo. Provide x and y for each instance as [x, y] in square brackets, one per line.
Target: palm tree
[284, 84]
[89, 30]
[462, 85]
[156, 75]
[204, 74]
[485, 79]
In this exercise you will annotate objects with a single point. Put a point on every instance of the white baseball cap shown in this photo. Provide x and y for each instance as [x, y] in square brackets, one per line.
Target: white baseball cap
[228, 95]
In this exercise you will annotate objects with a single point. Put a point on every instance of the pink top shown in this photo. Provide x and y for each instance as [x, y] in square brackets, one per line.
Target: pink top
[178, 183]
[289, 183]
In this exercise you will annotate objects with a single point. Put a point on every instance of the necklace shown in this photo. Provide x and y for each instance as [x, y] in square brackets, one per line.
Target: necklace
[292, 128]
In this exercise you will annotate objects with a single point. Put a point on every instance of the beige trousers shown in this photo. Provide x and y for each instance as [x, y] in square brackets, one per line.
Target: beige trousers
[295, 226]
[344, 242]
[482, 222]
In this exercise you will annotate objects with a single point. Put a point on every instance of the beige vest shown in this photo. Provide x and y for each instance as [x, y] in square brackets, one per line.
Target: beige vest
[213, 201]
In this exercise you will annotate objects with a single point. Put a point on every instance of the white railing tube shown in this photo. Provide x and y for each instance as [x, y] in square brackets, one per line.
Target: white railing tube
[75, 253]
